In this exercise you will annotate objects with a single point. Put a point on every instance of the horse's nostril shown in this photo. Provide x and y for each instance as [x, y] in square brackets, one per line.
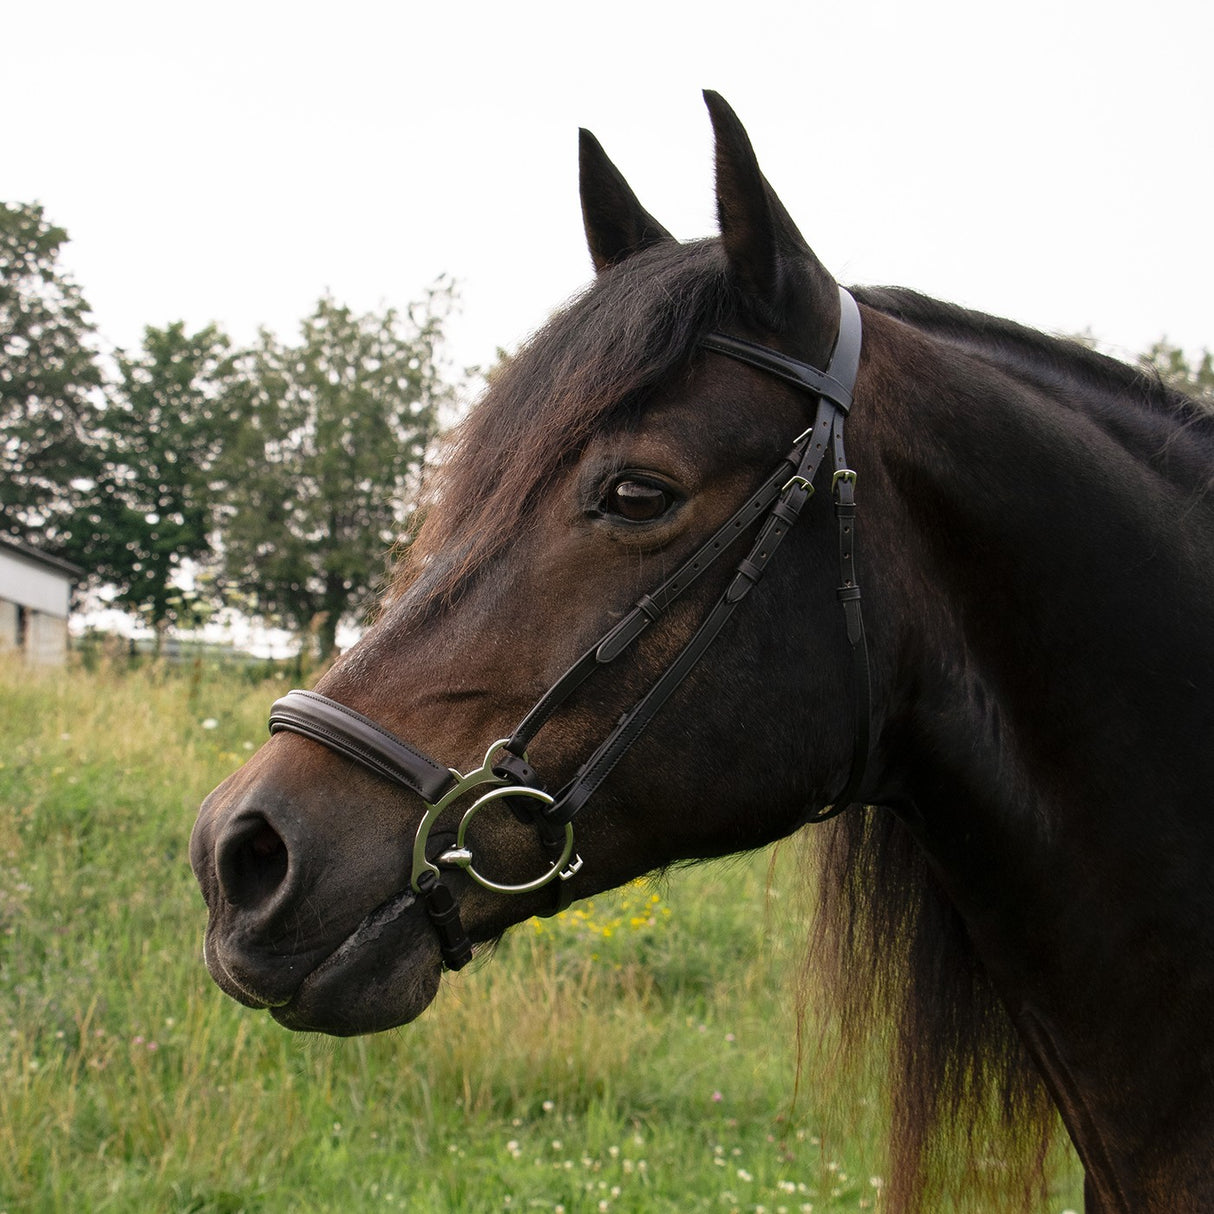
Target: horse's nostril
[266, 843]
[252, 863]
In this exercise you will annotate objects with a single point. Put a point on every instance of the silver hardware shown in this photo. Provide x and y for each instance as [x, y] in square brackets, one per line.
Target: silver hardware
[474, 779]
[460, 856]
[844, 474]
[525, 887]
[800, 481]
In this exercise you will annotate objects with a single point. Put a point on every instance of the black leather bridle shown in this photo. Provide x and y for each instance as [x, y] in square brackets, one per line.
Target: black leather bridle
[506, 774]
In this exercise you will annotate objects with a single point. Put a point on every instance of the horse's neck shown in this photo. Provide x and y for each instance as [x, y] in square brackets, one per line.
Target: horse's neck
[1070, 592]
[1058, 735]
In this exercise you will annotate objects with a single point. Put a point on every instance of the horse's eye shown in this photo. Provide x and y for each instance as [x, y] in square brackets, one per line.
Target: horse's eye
[638, 501]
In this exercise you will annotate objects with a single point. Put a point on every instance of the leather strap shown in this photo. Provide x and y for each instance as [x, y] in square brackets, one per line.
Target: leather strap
[799, 374]
[361, 739]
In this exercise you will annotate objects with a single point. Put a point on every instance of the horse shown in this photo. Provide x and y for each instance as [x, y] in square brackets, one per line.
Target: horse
[632, 619]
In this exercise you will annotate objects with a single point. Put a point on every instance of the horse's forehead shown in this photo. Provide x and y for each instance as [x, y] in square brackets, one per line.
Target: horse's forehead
[709, 401]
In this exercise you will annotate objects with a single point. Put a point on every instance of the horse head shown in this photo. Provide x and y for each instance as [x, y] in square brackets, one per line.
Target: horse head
[629, 632]
[607, 454]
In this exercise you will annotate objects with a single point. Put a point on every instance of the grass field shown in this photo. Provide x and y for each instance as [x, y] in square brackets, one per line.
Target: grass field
[635, 1055]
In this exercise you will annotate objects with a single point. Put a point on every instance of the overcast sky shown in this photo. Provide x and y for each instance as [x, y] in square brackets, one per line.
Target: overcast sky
[1050, 161]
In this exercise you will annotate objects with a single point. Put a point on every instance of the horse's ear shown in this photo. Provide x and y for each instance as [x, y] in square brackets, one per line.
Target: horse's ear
[769, 258]
[616, 224]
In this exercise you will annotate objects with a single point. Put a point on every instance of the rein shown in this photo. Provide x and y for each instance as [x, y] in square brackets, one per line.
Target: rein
[505, 772]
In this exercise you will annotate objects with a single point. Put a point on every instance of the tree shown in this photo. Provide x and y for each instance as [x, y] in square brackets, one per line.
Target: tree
[48, 380]
[162, 435]
[1173, 367]
[325, 465]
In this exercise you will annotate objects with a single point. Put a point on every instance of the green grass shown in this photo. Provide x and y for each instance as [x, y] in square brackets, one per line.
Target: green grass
[635, 1055]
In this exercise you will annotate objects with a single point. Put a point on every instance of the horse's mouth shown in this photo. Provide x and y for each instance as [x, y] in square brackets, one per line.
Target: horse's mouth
[382, 975]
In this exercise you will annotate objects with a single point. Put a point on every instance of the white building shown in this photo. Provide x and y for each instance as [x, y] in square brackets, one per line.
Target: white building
[35, 592]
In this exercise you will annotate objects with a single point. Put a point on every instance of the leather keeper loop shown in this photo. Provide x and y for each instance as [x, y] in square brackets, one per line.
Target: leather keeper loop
[749, 570]
[515, 770]
[788, 510]
[443, 911]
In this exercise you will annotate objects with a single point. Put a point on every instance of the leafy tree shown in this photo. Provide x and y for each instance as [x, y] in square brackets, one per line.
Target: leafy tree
[1173, 367]
[161, 437]
[323, 472]
[48, 379]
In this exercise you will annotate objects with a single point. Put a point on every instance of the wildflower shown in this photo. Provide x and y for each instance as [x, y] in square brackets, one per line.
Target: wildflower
[717, 1098]
[743, 1174]
[210, 723]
